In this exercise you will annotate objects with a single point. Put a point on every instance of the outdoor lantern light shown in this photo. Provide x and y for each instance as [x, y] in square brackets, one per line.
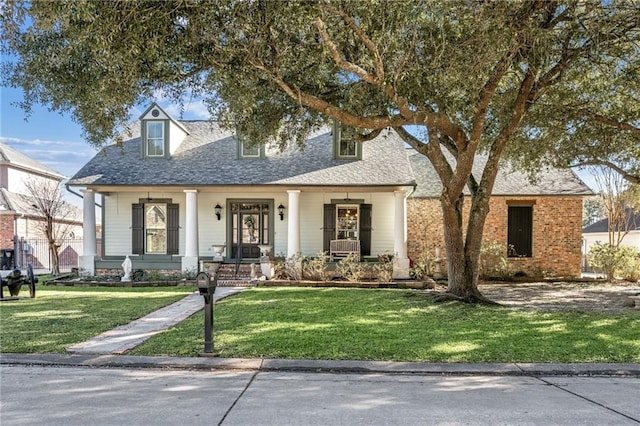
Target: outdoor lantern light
[218, 210]
[281, 211]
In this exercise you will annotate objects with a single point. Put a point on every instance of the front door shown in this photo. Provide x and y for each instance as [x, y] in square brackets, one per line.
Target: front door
[250, 226]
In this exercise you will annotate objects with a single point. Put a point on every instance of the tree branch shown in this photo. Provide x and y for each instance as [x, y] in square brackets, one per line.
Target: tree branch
[337, 57]
[630, 177]
[613, 123]
[371, 47]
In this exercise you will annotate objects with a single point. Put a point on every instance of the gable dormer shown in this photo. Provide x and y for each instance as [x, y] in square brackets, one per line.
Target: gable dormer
[345, 143]
[160, 134]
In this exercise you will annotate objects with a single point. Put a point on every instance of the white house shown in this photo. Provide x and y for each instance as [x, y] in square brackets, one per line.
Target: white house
[598, 233]
[176, 190]
[21, 222]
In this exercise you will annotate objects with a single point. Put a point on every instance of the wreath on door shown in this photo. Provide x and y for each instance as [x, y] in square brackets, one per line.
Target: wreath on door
[251, 226]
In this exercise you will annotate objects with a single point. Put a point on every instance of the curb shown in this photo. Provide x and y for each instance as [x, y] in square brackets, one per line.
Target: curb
[323, 366]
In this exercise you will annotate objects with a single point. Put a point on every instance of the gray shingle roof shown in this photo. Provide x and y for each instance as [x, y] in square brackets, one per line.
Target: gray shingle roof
[24, 204]
[508, 181]
[603, 225]
[16, 158]
[207, 156]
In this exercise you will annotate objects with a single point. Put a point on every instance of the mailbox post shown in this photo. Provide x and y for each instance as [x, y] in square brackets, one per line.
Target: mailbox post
[207, 288]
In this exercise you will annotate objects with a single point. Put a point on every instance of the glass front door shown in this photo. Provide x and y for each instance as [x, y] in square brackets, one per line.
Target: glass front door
[251, 226]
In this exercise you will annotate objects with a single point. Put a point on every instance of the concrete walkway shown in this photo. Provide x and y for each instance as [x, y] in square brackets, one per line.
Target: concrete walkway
[128, 336]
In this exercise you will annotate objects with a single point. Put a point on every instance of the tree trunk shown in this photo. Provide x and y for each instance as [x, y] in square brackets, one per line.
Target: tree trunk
[463, 254]
[55, 258]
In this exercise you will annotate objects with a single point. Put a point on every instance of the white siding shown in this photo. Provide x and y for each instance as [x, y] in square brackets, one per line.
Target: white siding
[632, 239]
[176, 136]
[382, 212]
[311, 222]
[16, 179]
[116, 234]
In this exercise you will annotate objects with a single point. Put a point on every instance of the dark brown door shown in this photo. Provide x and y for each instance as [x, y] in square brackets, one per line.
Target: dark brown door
[250, 227]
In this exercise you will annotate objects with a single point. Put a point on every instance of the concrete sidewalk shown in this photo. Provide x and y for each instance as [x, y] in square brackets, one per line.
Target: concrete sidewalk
[205, 363]
[128, 336]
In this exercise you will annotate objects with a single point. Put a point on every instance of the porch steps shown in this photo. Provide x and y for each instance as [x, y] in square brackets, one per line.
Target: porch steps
[227, 276]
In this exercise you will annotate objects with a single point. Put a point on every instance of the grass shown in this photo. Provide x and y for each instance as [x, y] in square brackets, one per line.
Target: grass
[62, 316]
[398, 325]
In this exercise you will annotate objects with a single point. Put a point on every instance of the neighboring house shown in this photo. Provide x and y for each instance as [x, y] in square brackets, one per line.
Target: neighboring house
[175, 190]
[598, 232]
[539, 223]
[19, 219]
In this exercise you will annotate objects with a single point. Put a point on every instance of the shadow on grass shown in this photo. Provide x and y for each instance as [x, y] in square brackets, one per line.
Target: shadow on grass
[362, 324]
[61, 316]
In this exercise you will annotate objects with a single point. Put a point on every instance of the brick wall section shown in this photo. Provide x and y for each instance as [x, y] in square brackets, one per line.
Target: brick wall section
[557, 231]
[6, 231]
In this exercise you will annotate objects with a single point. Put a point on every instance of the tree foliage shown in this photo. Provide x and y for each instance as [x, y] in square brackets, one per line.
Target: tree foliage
[524, 79]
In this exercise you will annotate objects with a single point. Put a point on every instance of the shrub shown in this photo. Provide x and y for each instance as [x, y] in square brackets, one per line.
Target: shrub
[287, 268]
[423, 266]
[350, 268]
[615, 261]
[315, 268]
[631, 271]
[384, 268]
[493, 261]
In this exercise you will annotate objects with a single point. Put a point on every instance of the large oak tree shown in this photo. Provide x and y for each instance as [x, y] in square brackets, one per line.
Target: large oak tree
[518, 79]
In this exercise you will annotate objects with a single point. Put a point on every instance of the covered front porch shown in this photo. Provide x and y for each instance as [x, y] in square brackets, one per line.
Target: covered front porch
[231, 227]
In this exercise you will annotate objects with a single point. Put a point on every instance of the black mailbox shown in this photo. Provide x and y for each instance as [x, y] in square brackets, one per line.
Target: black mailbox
[206, 287]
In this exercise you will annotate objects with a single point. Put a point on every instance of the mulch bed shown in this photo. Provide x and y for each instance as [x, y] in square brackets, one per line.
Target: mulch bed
[563, 296]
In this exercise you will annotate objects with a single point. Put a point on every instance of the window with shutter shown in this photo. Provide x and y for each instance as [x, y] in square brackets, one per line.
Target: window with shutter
[155, 228]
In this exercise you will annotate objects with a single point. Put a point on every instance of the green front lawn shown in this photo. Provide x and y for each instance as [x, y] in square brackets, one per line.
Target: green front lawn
[398, 325]
[62, 316]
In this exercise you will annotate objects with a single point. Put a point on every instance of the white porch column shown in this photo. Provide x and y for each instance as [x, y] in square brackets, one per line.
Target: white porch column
[86, 262]
[293, 222]
[400, 259]
[190, 258]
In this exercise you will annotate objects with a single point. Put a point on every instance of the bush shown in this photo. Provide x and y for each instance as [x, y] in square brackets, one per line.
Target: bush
[384, 268]
[615, 261]
[316, 268]
[493, 261]
[288, 268]
[631, 271]
[350, 268]
[423, 266]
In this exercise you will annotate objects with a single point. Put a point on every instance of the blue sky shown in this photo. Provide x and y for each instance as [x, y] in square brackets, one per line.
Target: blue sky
[56, 140]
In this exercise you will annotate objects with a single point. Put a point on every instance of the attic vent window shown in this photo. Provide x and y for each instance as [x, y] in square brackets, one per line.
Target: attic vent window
[155, 113]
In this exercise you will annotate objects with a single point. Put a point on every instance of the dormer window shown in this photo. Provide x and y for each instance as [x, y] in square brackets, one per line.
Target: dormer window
[155, 140]
[249, 150]
[345, 143]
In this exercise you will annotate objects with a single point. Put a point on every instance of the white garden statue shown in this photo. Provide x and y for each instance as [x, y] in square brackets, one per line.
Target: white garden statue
[126, 266]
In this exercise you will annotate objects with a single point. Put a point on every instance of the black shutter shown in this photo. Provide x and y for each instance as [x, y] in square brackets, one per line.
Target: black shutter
[329, 226]
[365, 229]
[137, 229]
[520, 231]
[173, 224]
